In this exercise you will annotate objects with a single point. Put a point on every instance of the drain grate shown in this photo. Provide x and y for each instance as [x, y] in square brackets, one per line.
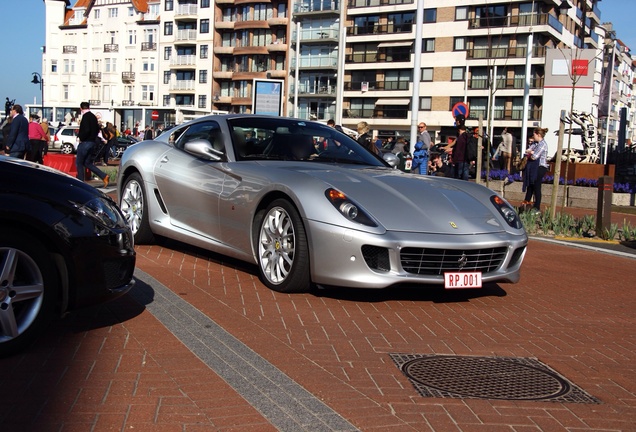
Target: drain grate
[507, 378]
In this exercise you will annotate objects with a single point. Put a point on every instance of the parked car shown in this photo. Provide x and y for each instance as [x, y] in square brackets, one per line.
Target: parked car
[310, 206]
[64, 245]
[66, 140]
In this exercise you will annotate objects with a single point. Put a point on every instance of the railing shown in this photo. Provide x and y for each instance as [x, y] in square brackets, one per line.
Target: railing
[148, 46]
[317, 6]
[388, 112]
[517, 21]
[128, 76]
[186, 35]
[111, 47]
[182, 85]
[379, 29]
[69, 49]
[95, 76]
[368, 3]
[503, 52]
[377, 85]
[316, 89]
[505, 114]
[94, 102]
[316, 34]
[183, 60]
[316, 62]
[127, 103]
[186, 9]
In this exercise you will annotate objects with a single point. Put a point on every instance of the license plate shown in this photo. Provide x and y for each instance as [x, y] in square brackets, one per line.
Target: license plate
[462, 280]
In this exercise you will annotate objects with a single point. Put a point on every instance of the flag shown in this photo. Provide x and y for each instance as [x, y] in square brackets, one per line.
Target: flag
[606, 91]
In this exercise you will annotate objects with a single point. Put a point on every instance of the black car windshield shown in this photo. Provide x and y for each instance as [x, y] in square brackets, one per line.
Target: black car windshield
[274, 138]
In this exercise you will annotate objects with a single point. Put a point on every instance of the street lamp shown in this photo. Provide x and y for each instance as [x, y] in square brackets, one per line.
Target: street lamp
[564, 7]
[37, 79]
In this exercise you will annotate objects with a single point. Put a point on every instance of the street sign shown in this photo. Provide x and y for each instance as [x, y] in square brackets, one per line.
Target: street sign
[154, 115]
[460, 108]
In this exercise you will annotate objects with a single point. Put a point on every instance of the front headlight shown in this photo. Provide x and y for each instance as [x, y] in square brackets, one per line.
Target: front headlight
[509, 214]
[348, 208]
[103, 211]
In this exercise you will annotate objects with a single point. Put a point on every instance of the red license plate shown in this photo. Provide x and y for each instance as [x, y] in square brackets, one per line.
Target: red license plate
[462, 280]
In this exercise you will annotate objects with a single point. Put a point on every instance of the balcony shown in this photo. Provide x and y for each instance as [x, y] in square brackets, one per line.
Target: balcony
[184, 10]
[377, 86]
[505, 114]
[111, 48]
[128, 76]
[371, 3]
[378, 29]
[183, 60]
[316, 35]
[69, 49]
[127, 103]
[186, 35]
[315, 90]
[277, 46]
[503, 52]
[305, 7]
[182, 85]
[94, 102]
[330, 61]
[149, 46]
[525, 20]
[95, 76]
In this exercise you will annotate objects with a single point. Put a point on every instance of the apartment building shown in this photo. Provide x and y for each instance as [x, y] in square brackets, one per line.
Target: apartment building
[170, 60]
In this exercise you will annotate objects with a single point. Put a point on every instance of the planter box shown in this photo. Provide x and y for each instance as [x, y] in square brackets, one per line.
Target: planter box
[584, 170]
[578, 196]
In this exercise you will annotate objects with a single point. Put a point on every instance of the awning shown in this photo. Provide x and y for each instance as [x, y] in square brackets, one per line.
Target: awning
[392, 102]
[395, 44]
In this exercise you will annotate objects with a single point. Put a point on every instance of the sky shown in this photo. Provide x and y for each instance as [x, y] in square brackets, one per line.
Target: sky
[25, 28]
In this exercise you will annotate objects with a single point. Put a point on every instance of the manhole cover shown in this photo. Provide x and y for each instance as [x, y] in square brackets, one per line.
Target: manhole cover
[506, 378]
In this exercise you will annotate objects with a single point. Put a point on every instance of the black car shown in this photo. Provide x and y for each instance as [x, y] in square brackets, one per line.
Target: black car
[64, 245]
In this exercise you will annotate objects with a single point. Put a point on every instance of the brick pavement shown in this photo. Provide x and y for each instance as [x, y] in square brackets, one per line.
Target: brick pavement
[118, 368]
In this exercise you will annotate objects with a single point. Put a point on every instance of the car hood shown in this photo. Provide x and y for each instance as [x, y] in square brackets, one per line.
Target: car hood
[414, 203]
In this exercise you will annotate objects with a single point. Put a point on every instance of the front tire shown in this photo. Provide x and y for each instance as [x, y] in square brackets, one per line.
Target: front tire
[134, 205]
[283, 253]
[66, 148]
[29, 289]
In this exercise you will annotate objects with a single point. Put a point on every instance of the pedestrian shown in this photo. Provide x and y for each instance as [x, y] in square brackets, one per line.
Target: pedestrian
[148, 133]
[18, 145]
[37, 138]
[461, 165]
[6, 129]
[504, 150]
[88, 136]
[535, 169]
[403, 153]
[47, 132]
[364, 138]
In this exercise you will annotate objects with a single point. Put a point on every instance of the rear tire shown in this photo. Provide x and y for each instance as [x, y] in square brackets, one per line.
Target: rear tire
[283, 253]
[66, 148]
[134, 205]
[29, 289]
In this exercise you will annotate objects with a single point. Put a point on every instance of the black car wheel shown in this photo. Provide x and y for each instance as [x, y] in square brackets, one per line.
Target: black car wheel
[283, 255]
[29, 287]
[134, 205]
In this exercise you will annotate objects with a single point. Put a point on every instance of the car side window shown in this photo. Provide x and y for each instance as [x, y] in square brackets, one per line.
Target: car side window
[207, 130]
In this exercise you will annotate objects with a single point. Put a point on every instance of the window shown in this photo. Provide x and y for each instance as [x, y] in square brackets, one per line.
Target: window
[362, 108]
[112, 12]
[205, 3]
[148, 64]
[203, 76]
[167, 53]
[203, 101]
[427, 74]
[425, 103]
[454, 100]
[203, 51]
[166, 100]
[65, 92]
[132, 37]
[428, 45]
[131, 11]
[54, 66]
[204, 26]
[97, 14]
[461, 13]
[169, 5]
[260, 12]
[459, 44]
[167, 28]
[147, 92]
[166, 77]
[430, 15]
[457, 74]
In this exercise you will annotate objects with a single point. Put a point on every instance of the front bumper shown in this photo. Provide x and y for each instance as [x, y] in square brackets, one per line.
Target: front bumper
[356, 259]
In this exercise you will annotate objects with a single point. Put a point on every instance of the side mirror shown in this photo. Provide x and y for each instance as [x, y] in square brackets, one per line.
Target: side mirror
[203, 149]
[391, 159]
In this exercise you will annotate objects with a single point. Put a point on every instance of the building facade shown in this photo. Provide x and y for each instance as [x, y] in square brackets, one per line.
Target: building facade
[165, 61]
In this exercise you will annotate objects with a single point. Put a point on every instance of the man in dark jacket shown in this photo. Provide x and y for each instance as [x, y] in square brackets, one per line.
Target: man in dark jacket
[17, 144]
[461, 164]
[88, 136]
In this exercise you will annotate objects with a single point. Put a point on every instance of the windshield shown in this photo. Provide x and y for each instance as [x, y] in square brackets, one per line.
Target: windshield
[274, 138]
